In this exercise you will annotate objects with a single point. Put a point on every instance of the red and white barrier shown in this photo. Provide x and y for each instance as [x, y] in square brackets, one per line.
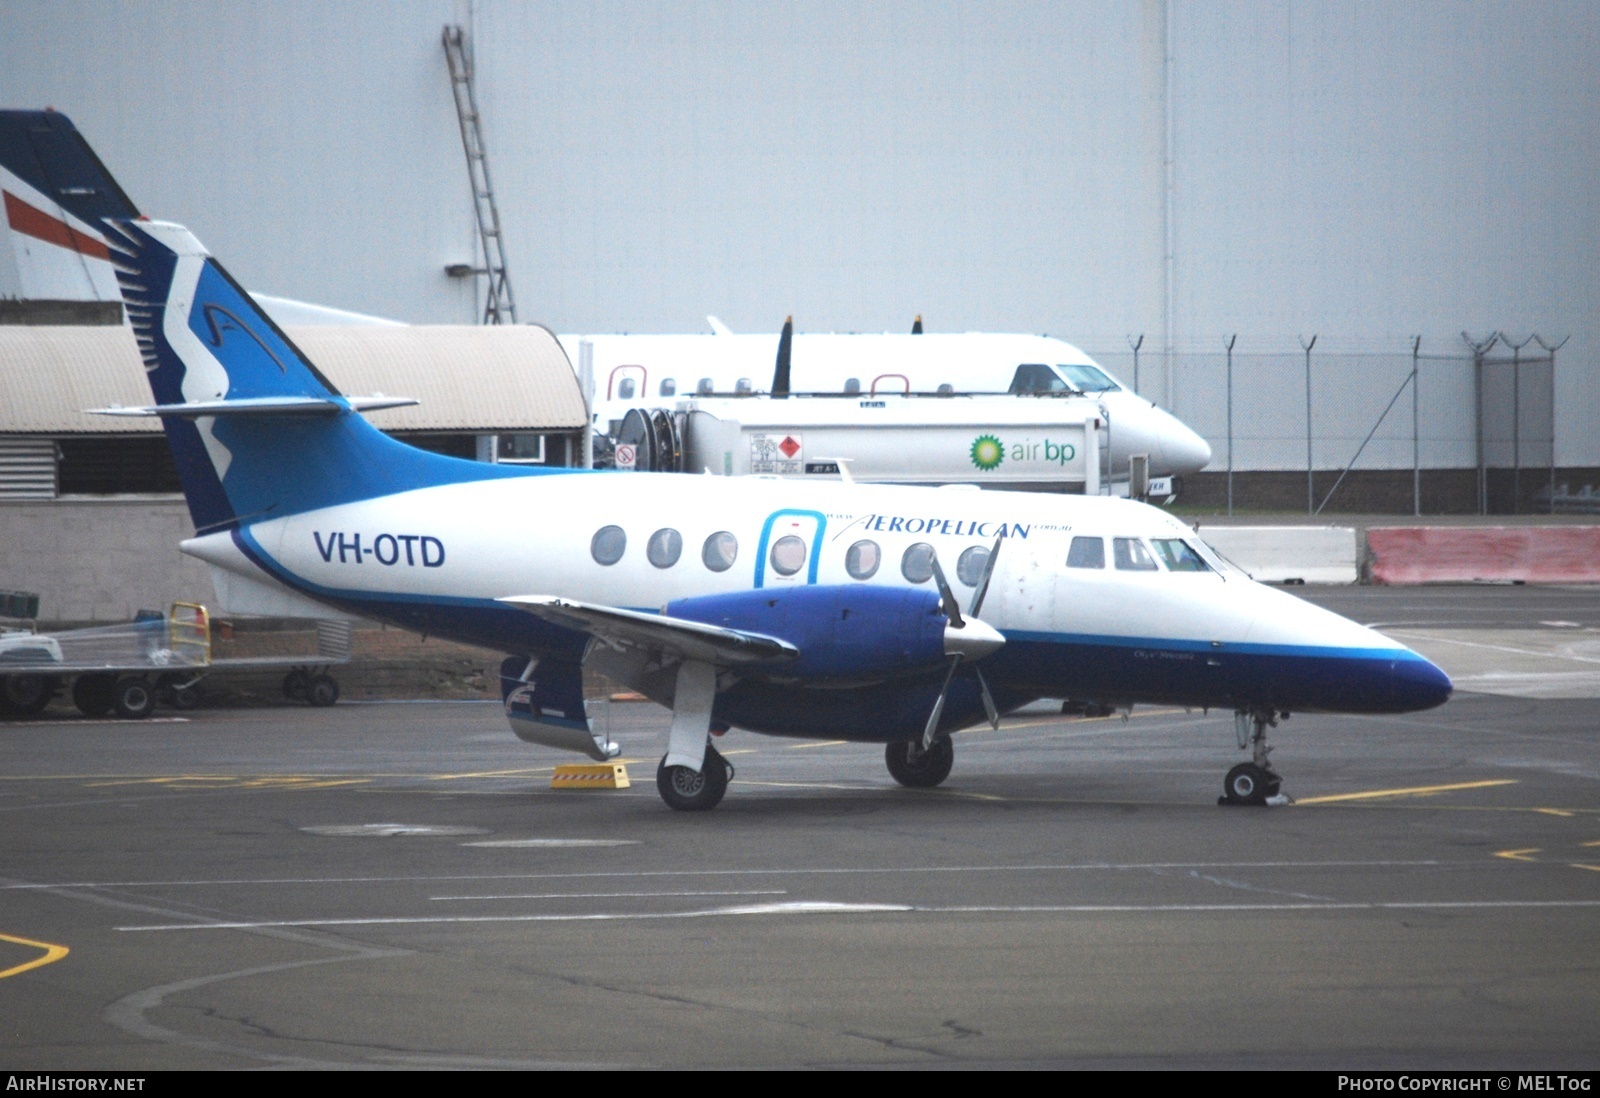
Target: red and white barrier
[1467, 554]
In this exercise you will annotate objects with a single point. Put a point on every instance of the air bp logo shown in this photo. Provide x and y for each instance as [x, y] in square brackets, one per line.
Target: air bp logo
[987, 452]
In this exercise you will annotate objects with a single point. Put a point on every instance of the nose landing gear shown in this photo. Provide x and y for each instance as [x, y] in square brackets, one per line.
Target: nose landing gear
[1254, 782]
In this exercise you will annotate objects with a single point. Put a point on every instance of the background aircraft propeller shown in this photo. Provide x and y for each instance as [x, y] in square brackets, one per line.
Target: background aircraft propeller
[780, 375]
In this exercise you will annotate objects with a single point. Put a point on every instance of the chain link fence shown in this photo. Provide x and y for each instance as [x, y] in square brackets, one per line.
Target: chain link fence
[1419, 431]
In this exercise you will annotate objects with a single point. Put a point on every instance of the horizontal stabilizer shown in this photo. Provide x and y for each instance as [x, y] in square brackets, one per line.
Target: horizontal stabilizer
[689, 640]
[264, 406]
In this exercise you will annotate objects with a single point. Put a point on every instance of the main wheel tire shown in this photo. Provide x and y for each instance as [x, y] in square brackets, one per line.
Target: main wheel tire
[1248, 783]
[686, 791]
[323, 691]
[25, 695]
[297, 686]
[917, 767]
[135, 698]
[94, 695]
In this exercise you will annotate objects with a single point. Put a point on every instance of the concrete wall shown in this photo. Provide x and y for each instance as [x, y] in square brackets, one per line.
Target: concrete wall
[94, 560]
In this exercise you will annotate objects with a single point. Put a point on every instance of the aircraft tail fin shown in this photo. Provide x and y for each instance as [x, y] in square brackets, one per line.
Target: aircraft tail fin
[256, 430]
[55, 193]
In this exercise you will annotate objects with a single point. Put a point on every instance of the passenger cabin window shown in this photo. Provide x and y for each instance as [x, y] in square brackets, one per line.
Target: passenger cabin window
[669, 386]
[970, 565]
[1131, 555]
[625, 389]
[720, 551]
[743, 386]
[917, 564]
[1179, 556]
[664, 548]
[861, 560]
[1087, 553]
[852, 386]
[705, 388]
[1089, 379]
[788, 555]
[1036, 377]
[608, 544]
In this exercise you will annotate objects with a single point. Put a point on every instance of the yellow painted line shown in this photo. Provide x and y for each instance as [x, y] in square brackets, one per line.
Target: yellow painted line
[817, 743]
[1518, 855]
[1413, 791]
[1592, 842]
[1563, 812]
[52, 953]
[517, 773]
[1575, 865]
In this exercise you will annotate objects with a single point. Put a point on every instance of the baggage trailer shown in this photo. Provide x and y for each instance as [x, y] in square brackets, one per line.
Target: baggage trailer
[125, 669]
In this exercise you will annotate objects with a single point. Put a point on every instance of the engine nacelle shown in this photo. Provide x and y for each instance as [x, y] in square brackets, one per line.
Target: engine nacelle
[856, 632]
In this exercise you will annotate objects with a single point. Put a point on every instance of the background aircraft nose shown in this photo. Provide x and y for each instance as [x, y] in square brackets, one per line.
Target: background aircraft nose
[1185, 451]
[1417, 684]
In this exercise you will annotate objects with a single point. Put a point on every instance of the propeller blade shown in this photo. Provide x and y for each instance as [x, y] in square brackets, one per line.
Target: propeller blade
[938, 705]
[952, 609]
[780, 375]
[988, 701]
[983, 581]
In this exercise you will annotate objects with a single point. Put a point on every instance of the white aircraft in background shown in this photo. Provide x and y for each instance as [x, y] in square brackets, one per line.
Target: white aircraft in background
[56, 192]
[794, 608]
[654, 371]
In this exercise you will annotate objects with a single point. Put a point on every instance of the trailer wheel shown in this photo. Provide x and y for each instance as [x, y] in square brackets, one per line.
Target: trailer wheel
[94, 695]
[134, 698]
[324, 691]
[25, 695]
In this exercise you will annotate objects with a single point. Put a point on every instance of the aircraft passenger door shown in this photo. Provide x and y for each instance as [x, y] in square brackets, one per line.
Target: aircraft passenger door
[790, 548]
[626, 383]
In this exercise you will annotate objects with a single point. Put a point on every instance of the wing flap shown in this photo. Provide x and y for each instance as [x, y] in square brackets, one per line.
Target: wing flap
[688, 640]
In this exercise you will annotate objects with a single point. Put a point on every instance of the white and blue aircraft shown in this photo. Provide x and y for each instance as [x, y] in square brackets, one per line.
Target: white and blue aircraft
[781, 607]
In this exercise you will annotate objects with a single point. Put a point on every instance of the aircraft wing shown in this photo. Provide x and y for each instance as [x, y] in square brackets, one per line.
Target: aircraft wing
[688, 640]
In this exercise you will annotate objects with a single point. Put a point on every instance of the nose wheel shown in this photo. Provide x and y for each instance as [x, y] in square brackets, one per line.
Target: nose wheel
[1254, 782]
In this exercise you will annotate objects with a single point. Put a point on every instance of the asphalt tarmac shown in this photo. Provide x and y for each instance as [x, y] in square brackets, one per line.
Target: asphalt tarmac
[396, 886]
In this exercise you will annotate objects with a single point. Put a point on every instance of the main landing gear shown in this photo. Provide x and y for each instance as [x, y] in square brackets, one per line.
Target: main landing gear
[688, 791]
[1254, 782]
[919, 767]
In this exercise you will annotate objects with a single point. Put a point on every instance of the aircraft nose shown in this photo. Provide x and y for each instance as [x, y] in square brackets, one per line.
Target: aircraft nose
[1185, 451]
[1415, 683]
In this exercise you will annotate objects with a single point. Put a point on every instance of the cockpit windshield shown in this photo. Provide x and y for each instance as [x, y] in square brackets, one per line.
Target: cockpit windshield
[1089, 379]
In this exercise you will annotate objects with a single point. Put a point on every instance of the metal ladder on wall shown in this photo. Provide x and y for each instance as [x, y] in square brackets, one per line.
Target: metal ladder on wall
[498, 307]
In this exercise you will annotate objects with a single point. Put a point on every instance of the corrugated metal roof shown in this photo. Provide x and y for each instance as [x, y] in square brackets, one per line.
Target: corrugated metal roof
[481, 379]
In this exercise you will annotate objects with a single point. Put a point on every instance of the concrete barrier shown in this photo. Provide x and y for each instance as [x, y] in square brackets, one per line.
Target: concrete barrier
[1464, 554]
[1288, 554]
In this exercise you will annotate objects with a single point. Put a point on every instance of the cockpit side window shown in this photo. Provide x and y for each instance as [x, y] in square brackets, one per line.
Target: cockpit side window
[1036, 377]
[1179, 556]
[1087, 553]
[1131, 556]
